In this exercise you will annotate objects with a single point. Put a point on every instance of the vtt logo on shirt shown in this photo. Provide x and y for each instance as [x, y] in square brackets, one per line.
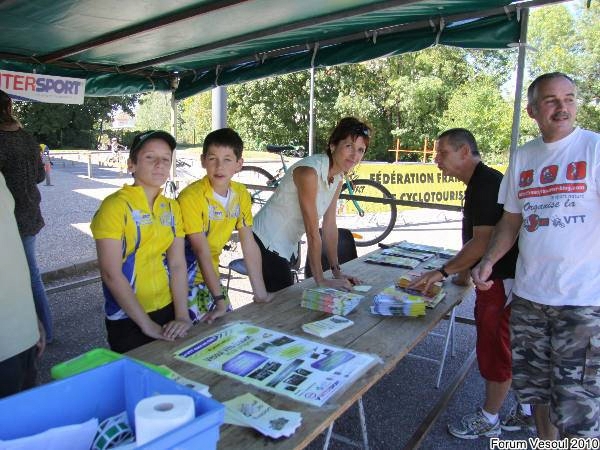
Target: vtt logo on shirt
[214, 213]
[141, 218]
[167, 219]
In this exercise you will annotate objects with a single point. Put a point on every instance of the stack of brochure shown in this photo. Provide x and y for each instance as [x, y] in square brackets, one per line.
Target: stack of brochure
[250, 411]
[398, 251]
[396, 303]
[439, 252]
[407, 278]
[390, 260]
[328, 326]
[330, 300]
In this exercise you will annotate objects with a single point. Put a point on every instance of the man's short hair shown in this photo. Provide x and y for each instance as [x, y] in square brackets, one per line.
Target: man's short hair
[224, 137]
[533, 87]
[459, 136]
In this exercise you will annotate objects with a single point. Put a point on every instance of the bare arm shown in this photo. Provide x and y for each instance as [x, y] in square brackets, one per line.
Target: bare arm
[504, 237]
[109, 260]
[179, 289]
[253, 262]
[471, 252]
[306, 182]
[331, 237]
[211, 279]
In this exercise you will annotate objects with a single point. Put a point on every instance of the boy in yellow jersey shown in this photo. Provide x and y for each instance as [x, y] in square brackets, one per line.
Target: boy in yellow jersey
[212, 208]
[140, 244]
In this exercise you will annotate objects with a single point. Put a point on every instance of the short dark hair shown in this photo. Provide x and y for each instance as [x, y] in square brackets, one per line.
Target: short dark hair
[140, 139]
[224, 137]
[459, 136]
[349, 126]
[533, 87]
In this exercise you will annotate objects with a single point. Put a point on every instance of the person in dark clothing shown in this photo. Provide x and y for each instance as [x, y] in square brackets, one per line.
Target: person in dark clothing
[457, 155]
[21, 165]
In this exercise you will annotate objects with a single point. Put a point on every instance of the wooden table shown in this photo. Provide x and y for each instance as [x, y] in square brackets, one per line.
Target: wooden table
[390, 338]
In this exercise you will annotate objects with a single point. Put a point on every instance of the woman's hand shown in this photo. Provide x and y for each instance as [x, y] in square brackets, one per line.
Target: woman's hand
[351, 278]
[343, 284]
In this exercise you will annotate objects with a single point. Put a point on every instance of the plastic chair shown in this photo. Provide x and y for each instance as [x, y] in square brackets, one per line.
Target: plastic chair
[346, 251]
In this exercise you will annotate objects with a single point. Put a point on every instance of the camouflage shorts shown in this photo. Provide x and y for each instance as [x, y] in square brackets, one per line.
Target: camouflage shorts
[200, 301]
[556, 361]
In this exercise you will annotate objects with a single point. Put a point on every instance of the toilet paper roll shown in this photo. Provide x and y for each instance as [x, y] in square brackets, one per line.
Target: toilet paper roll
[155, 416]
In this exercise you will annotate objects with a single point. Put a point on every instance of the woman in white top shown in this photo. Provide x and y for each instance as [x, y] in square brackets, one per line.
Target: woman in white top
[308, 192]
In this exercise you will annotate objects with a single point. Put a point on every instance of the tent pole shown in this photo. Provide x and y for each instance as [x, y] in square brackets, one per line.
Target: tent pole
[514, 137]
[174, 133]
[311, 113]
[219, 107]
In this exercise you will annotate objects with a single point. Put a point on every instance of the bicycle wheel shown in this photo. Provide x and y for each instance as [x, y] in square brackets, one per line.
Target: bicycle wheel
[378, 219]
[256, 176]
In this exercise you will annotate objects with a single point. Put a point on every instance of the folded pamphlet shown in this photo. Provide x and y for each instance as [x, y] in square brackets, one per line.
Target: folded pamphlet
[328, 326]
[249, 411]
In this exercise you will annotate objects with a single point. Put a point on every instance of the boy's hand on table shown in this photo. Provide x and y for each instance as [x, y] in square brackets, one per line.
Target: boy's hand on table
[219, 311]
[176, 328]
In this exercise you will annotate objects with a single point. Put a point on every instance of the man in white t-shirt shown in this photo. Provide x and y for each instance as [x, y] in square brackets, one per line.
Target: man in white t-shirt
[553, 205]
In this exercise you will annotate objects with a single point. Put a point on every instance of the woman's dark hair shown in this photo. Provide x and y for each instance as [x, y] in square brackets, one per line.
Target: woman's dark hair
[349, 126]
[6, 109]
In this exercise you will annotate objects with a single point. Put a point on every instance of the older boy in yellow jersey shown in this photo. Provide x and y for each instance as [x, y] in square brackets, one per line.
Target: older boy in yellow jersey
[140, 245]
[212, 208]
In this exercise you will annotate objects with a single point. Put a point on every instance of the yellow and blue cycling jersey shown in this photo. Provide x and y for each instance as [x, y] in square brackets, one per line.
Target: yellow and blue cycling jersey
[202, 213]
[145, 234]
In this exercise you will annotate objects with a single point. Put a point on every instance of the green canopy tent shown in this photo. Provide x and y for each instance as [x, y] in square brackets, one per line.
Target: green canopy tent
[188, 46]
[138, 46]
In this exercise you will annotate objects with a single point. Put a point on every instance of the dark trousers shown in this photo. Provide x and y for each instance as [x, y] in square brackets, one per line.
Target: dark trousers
[125, 334]
[277, 271]
[19, 372]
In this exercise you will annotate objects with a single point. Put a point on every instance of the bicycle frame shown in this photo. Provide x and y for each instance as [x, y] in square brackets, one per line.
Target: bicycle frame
[360, 211]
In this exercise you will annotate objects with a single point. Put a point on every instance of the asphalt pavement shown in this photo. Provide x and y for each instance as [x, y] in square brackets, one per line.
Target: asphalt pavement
[395, 408]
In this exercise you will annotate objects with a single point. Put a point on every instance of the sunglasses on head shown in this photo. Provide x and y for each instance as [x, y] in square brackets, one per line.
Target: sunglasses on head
[361, 130]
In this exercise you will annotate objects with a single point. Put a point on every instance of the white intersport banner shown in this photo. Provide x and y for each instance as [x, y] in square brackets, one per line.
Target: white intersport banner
[37, 87]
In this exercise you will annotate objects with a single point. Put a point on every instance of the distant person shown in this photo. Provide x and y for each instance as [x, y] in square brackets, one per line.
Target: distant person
[140, 244]
[212, 208]
[552, 205]
[47, 162]
[458, 156]
[115, 147]
[22, 167]
[308, 192]
[21, 335]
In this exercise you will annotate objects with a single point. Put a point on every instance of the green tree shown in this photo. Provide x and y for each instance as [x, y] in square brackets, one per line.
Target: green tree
[567, 39]
[61, 125]
[154, 112]
[194, 119]
[271, 110]
[479, 107]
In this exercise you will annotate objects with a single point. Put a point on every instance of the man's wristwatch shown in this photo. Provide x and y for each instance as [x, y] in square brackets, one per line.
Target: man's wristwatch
[216, 298]
[442, 270]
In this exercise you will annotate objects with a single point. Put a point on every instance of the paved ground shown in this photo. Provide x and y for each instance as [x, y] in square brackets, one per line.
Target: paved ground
[395, 407]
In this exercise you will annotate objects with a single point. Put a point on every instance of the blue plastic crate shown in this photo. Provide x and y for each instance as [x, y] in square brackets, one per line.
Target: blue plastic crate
[104, 392]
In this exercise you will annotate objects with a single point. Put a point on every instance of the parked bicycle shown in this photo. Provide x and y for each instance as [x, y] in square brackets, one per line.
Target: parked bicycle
[369, 221]
[183, 169]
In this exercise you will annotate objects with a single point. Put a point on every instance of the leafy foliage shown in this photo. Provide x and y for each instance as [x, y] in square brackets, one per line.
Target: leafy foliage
[60, 125]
